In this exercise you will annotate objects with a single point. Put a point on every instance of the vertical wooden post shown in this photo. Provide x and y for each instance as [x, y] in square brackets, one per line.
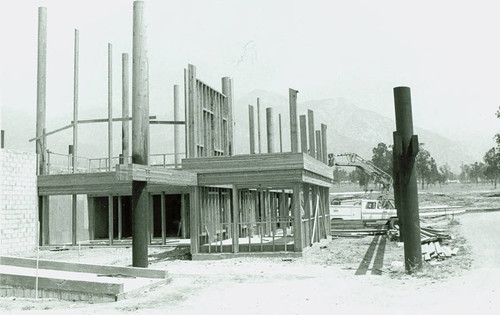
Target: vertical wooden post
[297, 218]
[236, 217]
[177, 142]
[140, 137]
[110, 107]
[258, 126]
[91, 214]
[191, 123]
[307, 214]
[75, 103]
[324, 150]
[195, 219]
[281, 135]
[2, 139]
[270, 130]
[251, 128]
[163, 219]
[310, 121]
[41, 89]
[41, 142]
[73, 220]
[303, 133]
[184, 218]
[151, 218]
[110, 219]
[319, 151]
[227, 90]
[292, 97]
[326, 200]
[125, 109]
[120, 217]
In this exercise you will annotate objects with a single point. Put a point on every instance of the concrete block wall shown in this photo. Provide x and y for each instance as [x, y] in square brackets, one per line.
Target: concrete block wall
[18, 201]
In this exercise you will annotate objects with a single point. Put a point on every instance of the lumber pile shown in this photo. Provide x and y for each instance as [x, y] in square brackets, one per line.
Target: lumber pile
[434, 250]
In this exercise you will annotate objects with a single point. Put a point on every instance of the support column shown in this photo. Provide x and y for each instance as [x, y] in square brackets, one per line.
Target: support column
[303, 134]
[236, 217]
[91, 214]
[281, 135]
[406, 143]
[324, 150]
[251, 125]
[258, 126]
[307, 213]
[110, 219]
[110, 108]
[151, 219]
[177, 142]
[270, 130]
[310, 122]
[163, 218]
[41, 142]
[292, 96]
[120, 217]
[297, 218]
[73, 220]
[195, 219]
[125, 110]
[319, 151]
[227, 90]
[140, 137]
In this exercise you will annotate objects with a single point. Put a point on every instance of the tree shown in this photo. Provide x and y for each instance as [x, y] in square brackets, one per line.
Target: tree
[444, 173]
[465, 171]
[477, 172]
[492, 165]
[382, 157]
[339, 175]
[423, 164]
[360, 177]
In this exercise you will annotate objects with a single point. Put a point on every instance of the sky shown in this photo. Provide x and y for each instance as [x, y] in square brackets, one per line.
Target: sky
[448, 52]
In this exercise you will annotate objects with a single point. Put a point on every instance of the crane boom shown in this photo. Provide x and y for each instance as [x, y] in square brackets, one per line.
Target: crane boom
[352, 159]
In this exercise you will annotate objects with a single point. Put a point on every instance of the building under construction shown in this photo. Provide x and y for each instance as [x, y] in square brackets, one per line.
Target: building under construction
[223, 203]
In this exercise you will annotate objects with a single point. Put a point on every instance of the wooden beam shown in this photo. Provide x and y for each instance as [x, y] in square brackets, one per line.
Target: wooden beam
[310, 121]
[151, 221]
[307, 213]
[324, 149]
[270, 130]
[140, 137]
[184, 218]
[236, 221]
[251, 124]
[191, 135]
[303, 134]
[91, 216]
[125, 109]
[110, 219]
[292, 97]
[297, 218]
[163, 218]
[138, 172]
[110, 107]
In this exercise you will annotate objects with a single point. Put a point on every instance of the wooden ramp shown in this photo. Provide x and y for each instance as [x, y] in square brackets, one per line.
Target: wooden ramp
[74, 281]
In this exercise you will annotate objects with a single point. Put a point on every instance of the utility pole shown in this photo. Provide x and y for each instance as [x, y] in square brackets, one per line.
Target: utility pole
[406, 149]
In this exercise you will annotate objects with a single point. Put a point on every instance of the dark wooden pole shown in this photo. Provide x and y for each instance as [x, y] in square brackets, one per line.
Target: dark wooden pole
[292, 97]
[2, 141]
[140, 137]
[270, 130]
[406, 144]
[125, 109]
[281, 135]
[74, 163]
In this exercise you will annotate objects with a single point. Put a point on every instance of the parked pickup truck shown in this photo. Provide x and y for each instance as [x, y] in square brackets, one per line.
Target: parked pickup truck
[364, 209]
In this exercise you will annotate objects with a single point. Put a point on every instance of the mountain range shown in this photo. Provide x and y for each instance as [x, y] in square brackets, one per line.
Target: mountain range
[350, 129]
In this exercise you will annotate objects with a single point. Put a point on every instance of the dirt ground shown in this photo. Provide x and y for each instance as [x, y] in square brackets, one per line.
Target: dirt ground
[324, 280]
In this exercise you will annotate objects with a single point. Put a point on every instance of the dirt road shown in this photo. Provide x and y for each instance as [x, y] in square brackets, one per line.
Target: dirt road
[317, 283]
